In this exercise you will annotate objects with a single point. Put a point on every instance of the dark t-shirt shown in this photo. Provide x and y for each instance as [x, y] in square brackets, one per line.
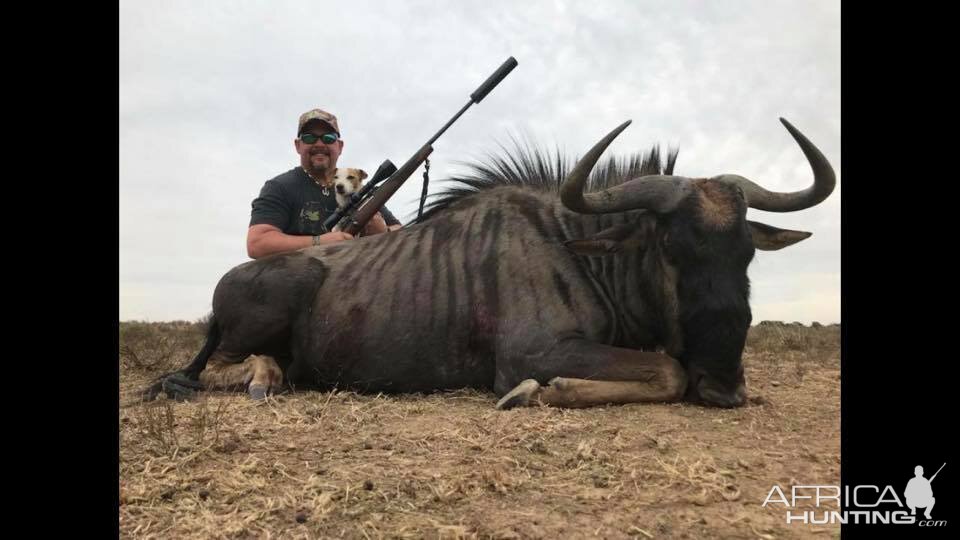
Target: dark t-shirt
[295, 204]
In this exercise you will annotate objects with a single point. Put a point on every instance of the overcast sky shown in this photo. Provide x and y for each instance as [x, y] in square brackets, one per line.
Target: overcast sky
[210, 93]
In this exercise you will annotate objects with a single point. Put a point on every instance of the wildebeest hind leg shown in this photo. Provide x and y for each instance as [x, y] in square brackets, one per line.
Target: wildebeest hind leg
[260, 374]
[580, 373]
[215, 373]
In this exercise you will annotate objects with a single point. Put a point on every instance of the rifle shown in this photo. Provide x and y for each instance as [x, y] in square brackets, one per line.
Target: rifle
[357, 220]
[938, 472]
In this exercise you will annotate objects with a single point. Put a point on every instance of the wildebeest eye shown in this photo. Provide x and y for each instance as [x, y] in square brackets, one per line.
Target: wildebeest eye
[701, 239]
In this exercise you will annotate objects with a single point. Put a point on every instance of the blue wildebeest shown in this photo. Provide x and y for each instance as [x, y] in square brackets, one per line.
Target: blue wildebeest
[636, 290]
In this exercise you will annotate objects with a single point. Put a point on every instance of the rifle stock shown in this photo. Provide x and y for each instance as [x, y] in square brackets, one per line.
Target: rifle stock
[386, 169]
[379, 198]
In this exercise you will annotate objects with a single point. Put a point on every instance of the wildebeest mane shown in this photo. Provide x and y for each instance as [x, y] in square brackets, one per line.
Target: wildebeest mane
[533, 167]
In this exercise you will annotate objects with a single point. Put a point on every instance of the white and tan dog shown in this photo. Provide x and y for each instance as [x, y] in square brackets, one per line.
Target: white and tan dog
[346, 182]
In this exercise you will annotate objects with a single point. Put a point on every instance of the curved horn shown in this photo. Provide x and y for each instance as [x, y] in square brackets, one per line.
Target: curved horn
[571, 192]
[824, 180]
[659, 193]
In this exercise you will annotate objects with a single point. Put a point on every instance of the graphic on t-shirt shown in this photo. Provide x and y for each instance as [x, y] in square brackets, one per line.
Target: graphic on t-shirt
[312, 215]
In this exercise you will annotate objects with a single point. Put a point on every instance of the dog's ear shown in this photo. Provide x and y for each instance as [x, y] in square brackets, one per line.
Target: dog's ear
[363, 173]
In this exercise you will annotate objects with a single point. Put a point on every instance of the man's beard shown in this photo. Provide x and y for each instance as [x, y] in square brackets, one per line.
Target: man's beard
[323, 167]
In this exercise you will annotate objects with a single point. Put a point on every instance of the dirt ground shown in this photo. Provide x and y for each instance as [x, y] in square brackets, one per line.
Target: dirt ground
[448, 465]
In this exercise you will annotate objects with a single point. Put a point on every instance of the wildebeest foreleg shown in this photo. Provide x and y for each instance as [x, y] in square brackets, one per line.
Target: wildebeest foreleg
[584, 374]
[578, 393]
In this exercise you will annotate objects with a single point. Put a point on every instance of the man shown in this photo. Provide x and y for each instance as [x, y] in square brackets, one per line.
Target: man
[291, 208]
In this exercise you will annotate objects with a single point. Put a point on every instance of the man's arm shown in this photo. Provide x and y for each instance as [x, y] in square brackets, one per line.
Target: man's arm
[264, 239]
[392, 222]
[269, 212]
[377, 225]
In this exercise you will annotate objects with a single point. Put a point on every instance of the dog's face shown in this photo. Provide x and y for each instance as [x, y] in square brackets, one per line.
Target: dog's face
[347, 181]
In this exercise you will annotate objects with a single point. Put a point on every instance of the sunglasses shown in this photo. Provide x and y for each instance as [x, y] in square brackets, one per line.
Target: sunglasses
[327, 138]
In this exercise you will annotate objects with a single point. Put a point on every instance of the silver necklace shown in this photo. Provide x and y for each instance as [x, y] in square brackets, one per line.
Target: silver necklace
[326, 189]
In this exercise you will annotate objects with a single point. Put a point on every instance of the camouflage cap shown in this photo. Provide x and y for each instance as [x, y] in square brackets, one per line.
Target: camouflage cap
[317, 114]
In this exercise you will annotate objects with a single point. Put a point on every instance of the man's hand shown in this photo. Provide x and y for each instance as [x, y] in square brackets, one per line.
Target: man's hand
[334, 237]
[376, 225]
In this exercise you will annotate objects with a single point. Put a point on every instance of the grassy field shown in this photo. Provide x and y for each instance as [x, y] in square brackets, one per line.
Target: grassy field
[448, 465]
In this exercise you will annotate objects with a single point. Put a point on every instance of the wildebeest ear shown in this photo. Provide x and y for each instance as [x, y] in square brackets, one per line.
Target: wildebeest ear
[606, 242]
[769, 238]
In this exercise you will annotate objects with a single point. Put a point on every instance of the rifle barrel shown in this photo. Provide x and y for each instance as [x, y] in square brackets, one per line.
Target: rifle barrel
[938, 471]
[448, 124]
[372, 205]
[480, 93]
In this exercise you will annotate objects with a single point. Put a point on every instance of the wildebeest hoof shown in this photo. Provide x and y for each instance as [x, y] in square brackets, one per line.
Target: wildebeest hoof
[258, 392]
[519, 396]
[180, 388]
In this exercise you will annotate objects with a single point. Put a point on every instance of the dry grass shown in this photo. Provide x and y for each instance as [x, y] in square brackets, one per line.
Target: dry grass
[773, 337]
[158, 347]
[339, 464]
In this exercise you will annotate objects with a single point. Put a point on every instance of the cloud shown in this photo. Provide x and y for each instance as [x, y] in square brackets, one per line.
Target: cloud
[209, 94]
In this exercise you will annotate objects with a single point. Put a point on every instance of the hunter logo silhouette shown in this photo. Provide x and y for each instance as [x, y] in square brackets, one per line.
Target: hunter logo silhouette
[919, 493]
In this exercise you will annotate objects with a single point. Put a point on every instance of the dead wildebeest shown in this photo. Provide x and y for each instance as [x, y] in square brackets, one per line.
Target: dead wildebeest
[562, 298]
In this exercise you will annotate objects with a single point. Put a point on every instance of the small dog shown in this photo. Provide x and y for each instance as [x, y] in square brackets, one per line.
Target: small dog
[346, 182]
